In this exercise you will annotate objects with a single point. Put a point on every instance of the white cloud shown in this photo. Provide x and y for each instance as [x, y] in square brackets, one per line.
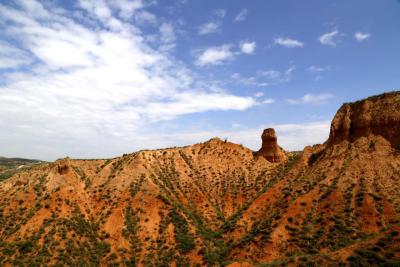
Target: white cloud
[250, 81]
[242, 15]
[209, 27]
[215, 55]
[248, 47]
[266, 78]
[35, 8]
[221, 13]
[167, 33]
[360, 36]
[60, 54]
[270, 74]
[297, 136]
[288, 73]
[330, 38]
[11, 57]
[288, 42]
[167, 37]
[145, 17]
[127, 8]
[97, 8]
[311, 99]
[92, 89]
[268, 101]
[277, 77]
[316, 69]
[196, 102]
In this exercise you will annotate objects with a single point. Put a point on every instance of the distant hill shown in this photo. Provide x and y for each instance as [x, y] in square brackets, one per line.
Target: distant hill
[217, 203]
[10, 166]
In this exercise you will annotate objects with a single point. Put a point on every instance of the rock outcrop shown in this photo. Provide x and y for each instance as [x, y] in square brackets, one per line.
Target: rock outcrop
[270, 149]
[63, 166]
[376, 115]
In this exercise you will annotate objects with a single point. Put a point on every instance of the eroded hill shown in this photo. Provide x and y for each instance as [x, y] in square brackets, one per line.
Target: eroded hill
[218, 203]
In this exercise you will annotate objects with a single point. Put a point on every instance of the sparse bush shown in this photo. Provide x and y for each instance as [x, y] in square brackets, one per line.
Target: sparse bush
[372, 145]
[25, 247]
[314, 157]
[183, 238]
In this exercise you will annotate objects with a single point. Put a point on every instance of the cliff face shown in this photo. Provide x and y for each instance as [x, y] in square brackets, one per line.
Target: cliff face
[377, 115]
[270, 149]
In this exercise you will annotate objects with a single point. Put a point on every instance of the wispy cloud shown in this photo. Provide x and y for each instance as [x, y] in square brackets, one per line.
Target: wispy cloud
[270, 74]
[288, 42]
[316, 69]
[209, 27]
[360, 36]
[330, 38]
[101, 9]
[268, 101]
[218, 55]
[242, 15]
[215, 55]
[276, 76]
[248, 47]
[167, 36]
[288, 73]
[249, 81]
[265, 78]
[144, 17]
[221, 13]
[195, 102]
[12, 57]
[311, 99]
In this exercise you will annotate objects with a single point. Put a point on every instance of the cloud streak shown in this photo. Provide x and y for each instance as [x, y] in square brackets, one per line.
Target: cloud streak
[12, 57]
[288, 42]
[242, 15]
[330, 38]
[360, 36]
[311, 99]
[248, 47]
[215, 55]
[209, 27]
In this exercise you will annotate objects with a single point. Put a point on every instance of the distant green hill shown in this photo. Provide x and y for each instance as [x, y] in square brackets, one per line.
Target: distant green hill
[10, 166]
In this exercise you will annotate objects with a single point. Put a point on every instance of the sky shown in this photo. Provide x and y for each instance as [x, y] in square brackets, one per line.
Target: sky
[97, 78]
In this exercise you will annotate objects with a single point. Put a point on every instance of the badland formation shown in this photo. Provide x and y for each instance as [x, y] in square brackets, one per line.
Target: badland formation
[218, 203]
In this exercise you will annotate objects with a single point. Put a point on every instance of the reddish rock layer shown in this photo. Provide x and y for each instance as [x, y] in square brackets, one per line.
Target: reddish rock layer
[63, 166]
[377, 115]
[270, 149]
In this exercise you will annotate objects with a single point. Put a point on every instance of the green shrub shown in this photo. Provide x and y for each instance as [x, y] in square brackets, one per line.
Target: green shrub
[6, 175]
[314, 157]
[394, 233]
[372, 145]
[25, 247]
[183, 238]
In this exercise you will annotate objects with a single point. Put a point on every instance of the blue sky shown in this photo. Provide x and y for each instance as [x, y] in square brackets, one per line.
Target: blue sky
[93, 79]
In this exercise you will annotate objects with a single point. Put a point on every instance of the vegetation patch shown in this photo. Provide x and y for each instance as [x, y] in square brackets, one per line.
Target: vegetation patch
[184, 239]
